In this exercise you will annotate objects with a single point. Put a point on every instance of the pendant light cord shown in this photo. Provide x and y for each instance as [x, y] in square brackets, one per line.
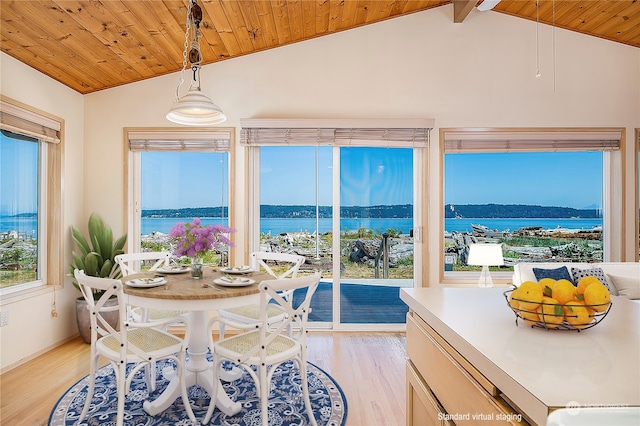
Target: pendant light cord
[184, 52]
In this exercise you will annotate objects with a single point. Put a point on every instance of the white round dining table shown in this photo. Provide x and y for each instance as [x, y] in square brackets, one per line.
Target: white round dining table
[198, 298]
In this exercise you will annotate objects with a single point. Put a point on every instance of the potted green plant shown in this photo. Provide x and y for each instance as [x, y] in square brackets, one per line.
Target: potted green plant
[96, 257]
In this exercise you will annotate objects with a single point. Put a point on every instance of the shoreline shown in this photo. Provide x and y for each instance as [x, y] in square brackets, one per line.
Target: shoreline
[362, 248]
[275, 226]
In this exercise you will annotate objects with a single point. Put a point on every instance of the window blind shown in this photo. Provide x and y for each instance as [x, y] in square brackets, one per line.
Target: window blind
[338, 132]
[16, 119]
[179, 140]
[463, 141]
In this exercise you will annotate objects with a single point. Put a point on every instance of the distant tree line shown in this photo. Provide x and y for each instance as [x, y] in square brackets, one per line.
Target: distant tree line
[500, 211]
[187, 212]
[485, 211]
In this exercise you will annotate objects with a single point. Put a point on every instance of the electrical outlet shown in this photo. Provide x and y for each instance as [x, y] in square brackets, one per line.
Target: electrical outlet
[4, 318]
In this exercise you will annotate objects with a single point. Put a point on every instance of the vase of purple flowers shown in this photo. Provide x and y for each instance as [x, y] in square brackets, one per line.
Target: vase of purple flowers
[194, 240]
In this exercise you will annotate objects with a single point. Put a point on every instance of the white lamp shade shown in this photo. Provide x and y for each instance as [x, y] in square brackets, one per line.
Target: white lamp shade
[196, 109]
[485, 255]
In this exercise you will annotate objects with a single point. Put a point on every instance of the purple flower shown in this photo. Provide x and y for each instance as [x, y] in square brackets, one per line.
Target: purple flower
[193, 239]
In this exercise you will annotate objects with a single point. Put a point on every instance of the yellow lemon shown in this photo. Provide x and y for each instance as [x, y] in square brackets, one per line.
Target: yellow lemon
[551, 312]
[589, 310]
[512, 299]
[576, 314]
[563, 291]
[530, 318]
[584, 283]
[529, 296]
[597, 297]
[546, 284]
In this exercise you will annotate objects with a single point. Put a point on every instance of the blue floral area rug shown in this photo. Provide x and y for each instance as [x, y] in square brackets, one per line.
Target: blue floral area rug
[286, 405]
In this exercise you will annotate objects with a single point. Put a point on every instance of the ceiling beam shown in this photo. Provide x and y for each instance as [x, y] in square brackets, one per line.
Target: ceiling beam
[461, 9]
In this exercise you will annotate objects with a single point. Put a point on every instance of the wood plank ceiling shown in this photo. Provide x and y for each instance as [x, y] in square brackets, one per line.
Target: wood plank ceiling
[91, 45]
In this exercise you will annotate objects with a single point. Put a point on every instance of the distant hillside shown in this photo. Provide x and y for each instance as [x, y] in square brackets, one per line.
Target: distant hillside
[187, 212]
[486, 211]
[516, 211]
[277, 211]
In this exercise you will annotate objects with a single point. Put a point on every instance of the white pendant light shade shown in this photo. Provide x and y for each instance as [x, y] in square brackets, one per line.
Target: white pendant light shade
[196, 109]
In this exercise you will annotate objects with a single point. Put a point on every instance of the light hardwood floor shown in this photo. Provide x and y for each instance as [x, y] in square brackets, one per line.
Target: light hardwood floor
[369, 367]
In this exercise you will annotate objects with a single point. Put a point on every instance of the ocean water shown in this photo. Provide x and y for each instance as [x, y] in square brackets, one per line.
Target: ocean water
[24, 225]
[276, 226]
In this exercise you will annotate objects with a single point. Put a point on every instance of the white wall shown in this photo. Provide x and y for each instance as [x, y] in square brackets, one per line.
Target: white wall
[32, 330]
[478, 73]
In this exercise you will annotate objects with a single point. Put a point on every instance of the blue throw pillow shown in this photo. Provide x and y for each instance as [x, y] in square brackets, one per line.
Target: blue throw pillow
[561, 273]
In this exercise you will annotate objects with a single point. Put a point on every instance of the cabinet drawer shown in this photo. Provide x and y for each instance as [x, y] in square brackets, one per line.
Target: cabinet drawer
[465, 394]
[422, 406]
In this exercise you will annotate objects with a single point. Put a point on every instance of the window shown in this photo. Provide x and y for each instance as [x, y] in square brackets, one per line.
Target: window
[176, 176]
[30, 198]
[19, 226]
[540, 195]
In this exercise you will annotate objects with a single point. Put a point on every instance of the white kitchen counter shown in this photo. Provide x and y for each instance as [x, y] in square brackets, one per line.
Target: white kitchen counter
[538, 369]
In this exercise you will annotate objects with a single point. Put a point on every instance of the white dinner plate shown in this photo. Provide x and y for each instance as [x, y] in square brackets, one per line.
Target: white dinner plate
[146, 282]
[173, 270]
[233, 282]
[236, 270]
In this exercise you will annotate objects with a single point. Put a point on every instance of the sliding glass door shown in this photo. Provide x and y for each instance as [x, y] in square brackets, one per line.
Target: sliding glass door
[349, 211]
[296, 185]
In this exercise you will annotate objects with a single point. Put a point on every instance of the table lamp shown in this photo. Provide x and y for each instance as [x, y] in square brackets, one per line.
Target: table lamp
[485, 255]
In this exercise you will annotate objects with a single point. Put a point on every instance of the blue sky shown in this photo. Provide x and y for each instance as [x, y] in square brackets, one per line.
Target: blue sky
[564, 179]
[287, 177]
[369, 177]
[384, 176]
[186, 179]
[18, 176]
[570, 179]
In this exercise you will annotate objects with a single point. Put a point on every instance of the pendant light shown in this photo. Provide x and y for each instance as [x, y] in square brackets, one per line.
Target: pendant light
[194, 108]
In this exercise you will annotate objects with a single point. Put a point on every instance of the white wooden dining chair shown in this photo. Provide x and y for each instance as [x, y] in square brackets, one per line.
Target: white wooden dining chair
[134, 263]
[139, 343]
[264, 262]
[261, 351]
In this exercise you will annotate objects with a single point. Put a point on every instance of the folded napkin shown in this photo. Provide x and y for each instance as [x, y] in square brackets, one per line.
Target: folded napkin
[234, 280]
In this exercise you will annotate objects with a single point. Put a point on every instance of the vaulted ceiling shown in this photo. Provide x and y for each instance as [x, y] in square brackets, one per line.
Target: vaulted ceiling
[90, 45]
